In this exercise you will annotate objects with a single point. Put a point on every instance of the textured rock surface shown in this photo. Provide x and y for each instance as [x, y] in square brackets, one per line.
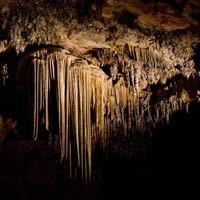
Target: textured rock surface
[170, 44]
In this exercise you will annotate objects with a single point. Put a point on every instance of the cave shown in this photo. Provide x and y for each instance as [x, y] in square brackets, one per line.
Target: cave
[99, 99]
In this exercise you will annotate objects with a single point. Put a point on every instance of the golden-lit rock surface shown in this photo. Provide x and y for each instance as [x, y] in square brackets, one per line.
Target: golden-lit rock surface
[59, 25]
[121, 22]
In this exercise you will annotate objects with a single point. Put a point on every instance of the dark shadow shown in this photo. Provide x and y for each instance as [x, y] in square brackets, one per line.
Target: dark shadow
[197, 57]
[126, 18]
[169, 168]
[8, 90]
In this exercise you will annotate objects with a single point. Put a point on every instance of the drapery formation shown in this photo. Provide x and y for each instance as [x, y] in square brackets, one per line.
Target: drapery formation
[89, 106]
[79, 91]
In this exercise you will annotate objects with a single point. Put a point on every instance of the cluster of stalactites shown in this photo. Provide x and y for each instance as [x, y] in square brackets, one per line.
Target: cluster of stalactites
[128, 114]
[73, 108]
[139, 65]
[81, 92]
[157, 66]
[90, 107]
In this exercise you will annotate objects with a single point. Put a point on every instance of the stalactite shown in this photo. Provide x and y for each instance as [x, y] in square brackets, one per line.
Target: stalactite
[35, 128]
[46, 88]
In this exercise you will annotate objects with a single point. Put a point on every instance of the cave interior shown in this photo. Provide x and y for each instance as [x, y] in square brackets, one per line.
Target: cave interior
[99, 99]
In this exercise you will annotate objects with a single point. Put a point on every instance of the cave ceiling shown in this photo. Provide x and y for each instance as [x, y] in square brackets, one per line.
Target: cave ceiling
[85, 26]
[161, 37]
